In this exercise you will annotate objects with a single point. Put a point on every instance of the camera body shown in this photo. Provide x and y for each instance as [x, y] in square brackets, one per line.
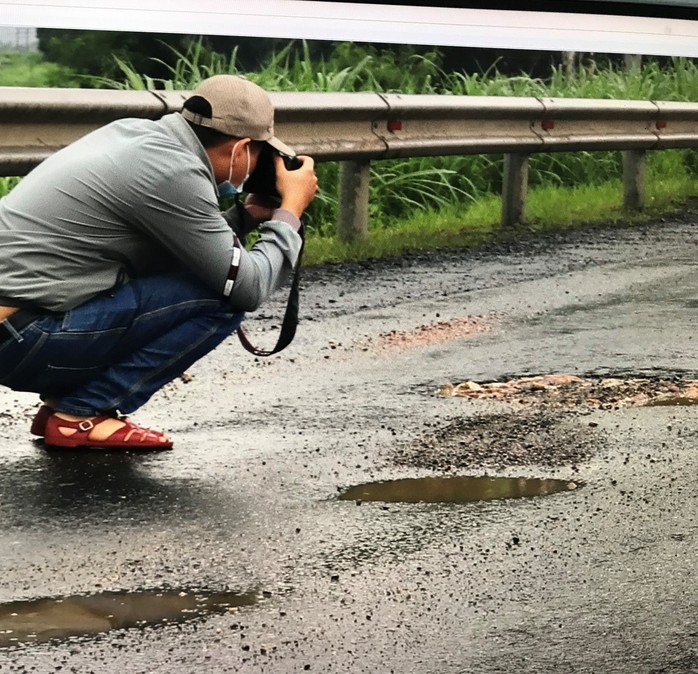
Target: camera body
[291, 163]
[262, 180]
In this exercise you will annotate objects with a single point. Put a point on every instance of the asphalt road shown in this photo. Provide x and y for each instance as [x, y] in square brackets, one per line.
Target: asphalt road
[233, 552]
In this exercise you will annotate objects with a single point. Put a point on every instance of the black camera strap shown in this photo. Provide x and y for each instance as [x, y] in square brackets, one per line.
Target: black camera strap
[290, 321]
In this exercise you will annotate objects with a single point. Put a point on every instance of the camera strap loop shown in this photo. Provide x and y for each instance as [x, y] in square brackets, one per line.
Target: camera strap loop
[290, 321]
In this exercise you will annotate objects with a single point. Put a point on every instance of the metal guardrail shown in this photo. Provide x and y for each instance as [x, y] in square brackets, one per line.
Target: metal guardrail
[358, 127]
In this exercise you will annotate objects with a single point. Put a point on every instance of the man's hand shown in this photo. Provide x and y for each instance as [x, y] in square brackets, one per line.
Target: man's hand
[297, 188]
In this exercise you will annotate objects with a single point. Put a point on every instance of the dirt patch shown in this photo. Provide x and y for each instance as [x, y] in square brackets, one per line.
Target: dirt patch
[573, 391]
[425, 335]
[521, 438]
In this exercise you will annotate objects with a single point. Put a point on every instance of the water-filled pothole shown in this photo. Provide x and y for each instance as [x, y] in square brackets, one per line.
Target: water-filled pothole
[454, 489]
[41, 620]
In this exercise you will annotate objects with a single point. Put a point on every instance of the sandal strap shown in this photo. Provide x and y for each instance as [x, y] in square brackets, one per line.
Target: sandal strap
[85, 426]
[130, 429]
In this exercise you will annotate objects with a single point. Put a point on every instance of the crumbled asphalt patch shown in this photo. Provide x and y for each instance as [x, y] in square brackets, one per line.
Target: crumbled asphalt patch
[521, 438]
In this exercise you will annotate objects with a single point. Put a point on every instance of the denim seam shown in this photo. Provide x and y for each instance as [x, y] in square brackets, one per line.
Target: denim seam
[81, 334]
[167, 309]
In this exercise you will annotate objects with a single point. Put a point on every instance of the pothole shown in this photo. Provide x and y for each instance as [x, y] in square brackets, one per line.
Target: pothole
[571, 391]
[60, 618]
[545, 426]
[454, 489]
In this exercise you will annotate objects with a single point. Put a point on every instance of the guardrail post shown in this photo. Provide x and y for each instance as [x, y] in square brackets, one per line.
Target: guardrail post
[353, 200]
[634, 179]
[514, 189]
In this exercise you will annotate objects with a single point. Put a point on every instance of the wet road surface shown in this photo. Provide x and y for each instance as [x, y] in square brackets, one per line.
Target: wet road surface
[235, 553]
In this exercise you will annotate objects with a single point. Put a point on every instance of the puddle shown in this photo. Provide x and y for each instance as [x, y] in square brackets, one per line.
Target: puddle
[454, 489]
[40, 620]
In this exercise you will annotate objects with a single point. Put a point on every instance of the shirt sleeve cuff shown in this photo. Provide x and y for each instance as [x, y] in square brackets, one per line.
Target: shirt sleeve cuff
[282, 215]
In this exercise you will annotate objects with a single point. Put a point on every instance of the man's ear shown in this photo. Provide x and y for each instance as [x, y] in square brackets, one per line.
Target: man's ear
[244, 142]
[219, 156]
[242, 145]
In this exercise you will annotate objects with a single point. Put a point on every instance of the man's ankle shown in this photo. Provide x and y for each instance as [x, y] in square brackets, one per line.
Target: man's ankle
[72, 417]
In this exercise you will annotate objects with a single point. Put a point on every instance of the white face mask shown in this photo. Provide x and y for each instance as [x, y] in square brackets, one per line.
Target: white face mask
[226, 188]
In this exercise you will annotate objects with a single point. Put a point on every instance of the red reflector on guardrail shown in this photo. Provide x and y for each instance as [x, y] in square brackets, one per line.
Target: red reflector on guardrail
[547, 124]
[394, 125]
[661, 124]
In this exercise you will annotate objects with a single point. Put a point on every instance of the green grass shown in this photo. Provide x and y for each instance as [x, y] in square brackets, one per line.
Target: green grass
[28, 69]
[6, 184]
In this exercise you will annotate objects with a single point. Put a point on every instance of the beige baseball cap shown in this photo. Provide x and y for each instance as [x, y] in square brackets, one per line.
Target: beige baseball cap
[239, 108]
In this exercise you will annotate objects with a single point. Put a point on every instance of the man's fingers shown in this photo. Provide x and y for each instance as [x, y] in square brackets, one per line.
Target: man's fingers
[308, 162]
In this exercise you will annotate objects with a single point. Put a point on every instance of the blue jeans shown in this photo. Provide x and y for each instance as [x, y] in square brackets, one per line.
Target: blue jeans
[113, 352]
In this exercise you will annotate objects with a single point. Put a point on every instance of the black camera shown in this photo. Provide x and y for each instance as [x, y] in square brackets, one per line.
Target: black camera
[262, 180]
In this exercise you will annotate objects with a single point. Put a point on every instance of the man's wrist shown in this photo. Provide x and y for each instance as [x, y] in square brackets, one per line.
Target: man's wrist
[284, 215]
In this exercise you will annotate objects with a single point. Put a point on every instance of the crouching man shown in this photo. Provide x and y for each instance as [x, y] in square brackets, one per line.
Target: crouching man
[118, 269]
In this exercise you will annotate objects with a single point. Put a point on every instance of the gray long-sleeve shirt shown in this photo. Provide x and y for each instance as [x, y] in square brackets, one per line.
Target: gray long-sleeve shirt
[133, 198]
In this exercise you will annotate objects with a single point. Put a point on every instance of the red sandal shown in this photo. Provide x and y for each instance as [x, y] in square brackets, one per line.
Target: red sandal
[129, 437]
[39, 422]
